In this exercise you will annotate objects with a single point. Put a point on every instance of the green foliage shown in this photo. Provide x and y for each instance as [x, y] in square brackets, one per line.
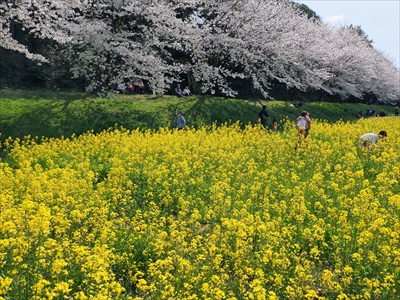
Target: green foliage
[308, 11]
[360, 32]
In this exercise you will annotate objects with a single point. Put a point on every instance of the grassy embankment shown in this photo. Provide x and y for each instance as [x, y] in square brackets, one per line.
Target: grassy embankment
[51, 114]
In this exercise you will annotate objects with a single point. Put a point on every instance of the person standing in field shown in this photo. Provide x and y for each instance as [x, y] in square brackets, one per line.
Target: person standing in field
[274, 125]
[138, 83]
[396, 111]
[130, 88]
[180, 120]
[308, 124]
[160, 86]
[263, 116]
[141, 86]
[369, 139]
[301, 124]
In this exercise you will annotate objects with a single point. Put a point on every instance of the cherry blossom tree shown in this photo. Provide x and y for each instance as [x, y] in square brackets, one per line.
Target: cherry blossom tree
[210, 41]
[356, 68]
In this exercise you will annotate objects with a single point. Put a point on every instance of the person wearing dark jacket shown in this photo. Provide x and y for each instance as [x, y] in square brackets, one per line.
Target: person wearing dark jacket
[263, 116]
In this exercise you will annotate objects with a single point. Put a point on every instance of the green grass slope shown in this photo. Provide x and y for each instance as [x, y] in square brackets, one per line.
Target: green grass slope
[50, 114]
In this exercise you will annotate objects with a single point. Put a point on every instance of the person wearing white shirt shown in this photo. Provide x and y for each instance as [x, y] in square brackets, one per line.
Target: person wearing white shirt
[186, 91]
[301, 124]
[366, 140]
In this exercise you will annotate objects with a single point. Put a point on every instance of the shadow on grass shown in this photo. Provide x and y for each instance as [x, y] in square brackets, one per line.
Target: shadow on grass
[56, 119]
[42, 94]
[208, 110]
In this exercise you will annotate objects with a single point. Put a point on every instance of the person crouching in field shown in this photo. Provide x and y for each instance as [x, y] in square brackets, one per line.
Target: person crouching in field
[369, 139]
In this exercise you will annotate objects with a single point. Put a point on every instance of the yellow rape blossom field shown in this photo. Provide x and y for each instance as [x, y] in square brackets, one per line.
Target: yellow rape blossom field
[226, 212]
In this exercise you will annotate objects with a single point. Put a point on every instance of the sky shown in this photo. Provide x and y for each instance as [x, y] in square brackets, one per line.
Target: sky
[379, 19]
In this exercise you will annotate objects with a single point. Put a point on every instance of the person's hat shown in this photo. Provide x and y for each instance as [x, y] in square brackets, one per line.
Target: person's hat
[179, 111]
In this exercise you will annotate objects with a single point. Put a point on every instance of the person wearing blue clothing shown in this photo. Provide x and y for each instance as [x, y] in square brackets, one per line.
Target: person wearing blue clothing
[178, 91]
[180, 120]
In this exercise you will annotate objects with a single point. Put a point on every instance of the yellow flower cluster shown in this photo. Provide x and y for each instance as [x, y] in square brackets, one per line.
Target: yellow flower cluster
[224, 212]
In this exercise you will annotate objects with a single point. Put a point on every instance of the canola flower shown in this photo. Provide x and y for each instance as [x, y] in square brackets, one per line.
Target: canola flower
[214, 213]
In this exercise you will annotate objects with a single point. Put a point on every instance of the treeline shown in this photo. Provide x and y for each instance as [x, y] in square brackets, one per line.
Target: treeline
[250, 49]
